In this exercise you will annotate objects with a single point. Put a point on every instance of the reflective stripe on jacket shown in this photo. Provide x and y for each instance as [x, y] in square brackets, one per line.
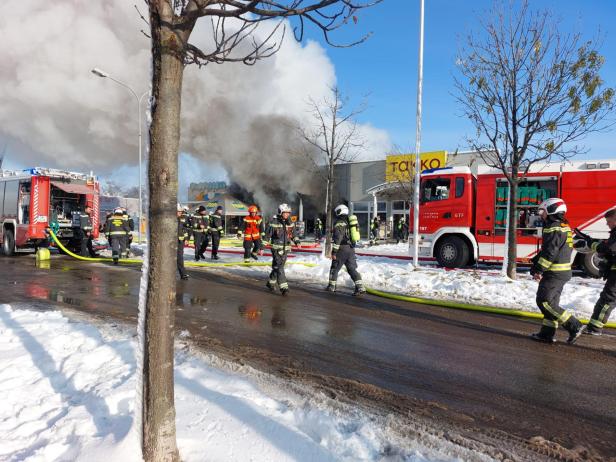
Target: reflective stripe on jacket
[253, 228]
[556, 249]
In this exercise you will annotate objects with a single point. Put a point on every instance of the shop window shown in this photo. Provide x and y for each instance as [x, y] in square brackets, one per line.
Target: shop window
[360, 206]
[435, 189]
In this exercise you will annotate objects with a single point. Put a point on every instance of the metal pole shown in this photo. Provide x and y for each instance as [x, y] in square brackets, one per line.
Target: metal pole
[418, 138]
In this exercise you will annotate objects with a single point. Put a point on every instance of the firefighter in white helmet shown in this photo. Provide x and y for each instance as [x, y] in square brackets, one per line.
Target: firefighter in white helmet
[344, 238]
[116, 229]
[552, 268]
[281, 235]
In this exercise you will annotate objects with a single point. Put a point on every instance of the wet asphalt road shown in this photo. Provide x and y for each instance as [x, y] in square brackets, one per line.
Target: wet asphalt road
[476, 365]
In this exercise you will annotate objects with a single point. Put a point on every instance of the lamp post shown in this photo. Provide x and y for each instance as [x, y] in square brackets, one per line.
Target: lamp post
[418, 138]
[100, 73]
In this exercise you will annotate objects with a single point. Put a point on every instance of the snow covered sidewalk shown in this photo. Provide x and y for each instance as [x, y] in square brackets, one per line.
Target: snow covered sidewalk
[68, 393]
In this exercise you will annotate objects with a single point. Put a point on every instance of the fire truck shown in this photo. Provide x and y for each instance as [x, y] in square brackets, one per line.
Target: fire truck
[463, 212]
[34, 199]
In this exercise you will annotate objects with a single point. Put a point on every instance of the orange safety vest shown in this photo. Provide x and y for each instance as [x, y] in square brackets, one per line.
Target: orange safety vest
[252, 228]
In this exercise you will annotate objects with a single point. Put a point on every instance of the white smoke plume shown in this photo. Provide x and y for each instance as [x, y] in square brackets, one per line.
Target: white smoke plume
[55, 112]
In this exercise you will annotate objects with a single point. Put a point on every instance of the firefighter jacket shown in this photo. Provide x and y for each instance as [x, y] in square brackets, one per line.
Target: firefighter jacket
[607, 249]
[374, 225]
[116, 226]
[82, 220]
[555, 254]
[200, 223]
[183, 228]
[253, 228]
[216, 224]
[282, 234]
[130, 221]
[341, 235]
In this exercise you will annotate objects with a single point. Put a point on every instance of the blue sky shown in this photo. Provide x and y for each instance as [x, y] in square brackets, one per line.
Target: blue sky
[385, 67]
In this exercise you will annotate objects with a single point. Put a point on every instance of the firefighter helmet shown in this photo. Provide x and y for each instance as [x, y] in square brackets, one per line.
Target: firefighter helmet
[341, 210]
[553, 206]
[118, 211]
[253, 209]
[282, 208]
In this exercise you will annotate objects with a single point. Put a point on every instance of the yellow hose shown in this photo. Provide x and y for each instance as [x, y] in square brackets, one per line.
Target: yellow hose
[378, 293]
[468, 307]
[135, 261]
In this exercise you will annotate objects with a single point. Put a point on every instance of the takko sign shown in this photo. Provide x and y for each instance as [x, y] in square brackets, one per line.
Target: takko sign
[401, 167]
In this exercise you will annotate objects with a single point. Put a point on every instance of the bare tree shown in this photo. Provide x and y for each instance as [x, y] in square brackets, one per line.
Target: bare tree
[532, 92]
[333, 140]
[233, 25]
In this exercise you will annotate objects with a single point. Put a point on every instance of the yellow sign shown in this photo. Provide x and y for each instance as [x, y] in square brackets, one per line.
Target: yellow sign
[401, 167]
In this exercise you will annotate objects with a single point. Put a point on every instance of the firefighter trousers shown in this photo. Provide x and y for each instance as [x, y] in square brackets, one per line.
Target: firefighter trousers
[606, 303]
[548, 301]
[279, 259]
[118, 246]
[180, 260]
[345, 257]
[201, 243]
[215, 243]
[251, 248]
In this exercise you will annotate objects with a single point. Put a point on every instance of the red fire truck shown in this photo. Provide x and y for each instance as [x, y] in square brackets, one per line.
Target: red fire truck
[463, 213]
[32, 200]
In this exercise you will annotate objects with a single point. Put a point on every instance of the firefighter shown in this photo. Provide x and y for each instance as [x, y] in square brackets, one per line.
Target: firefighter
[200, 229]
[281, 234]
[552, 268]
[374, 230]
[318, 229]
[131, 226]
[216, 230]
[400, 230]
[116, 230]
[253, 231]
[183, 227]
[607, 250]
[344, 238]
[82, 229]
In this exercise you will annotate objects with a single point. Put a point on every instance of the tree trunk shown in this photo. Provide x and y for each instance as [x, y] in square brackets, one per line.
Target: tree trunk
[512, 241]
[159, 440]
[328, 212]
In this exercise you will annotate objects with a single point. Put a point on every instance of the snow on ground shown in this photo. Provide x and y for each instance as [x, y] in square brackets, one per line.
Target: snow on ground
[68, 393]
[482, 287]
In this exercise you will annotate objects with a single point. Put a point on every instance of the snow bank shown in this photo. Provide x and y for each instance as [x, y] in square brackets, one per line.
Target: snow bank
[68, 392]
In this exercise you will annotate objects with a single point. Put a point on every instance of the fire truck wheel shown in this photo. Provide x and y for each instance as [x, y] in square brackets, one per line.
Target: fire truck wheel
[452, 252]
[590, 264]
[8, 243]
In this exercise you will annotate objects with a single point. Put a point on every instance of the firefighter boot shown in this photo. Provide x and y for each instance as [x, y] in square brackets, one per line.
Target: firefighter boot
[359, 290]
[284, 292]
[545, 335]
[331, 287]
[575, 329]
[592, 330]
[115, 260]
[271, 285]
[254, 256]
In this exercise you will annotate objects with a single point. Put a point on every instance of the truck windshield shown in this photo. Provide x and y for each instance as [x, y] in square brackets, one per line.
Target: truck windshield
[435, 189]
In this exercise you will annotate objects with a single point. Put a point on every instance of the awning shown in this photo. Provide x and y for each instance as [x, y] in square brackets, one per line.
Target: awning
[231, 207]
[73, 188]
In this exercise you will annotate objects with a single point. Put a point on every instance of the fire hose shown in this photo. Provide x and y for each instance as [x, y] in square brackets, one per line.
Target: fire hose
[378, 293]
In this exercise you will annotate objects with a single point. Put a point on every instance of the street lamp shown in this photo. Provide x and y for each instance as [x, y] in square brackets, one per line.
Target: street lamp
[105, 75]
[418, 138]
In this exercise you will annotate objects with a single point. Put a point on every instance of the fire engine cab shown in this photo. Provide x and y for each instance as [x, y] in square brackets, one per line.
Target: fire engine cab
[463, 213]
[32, 200]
